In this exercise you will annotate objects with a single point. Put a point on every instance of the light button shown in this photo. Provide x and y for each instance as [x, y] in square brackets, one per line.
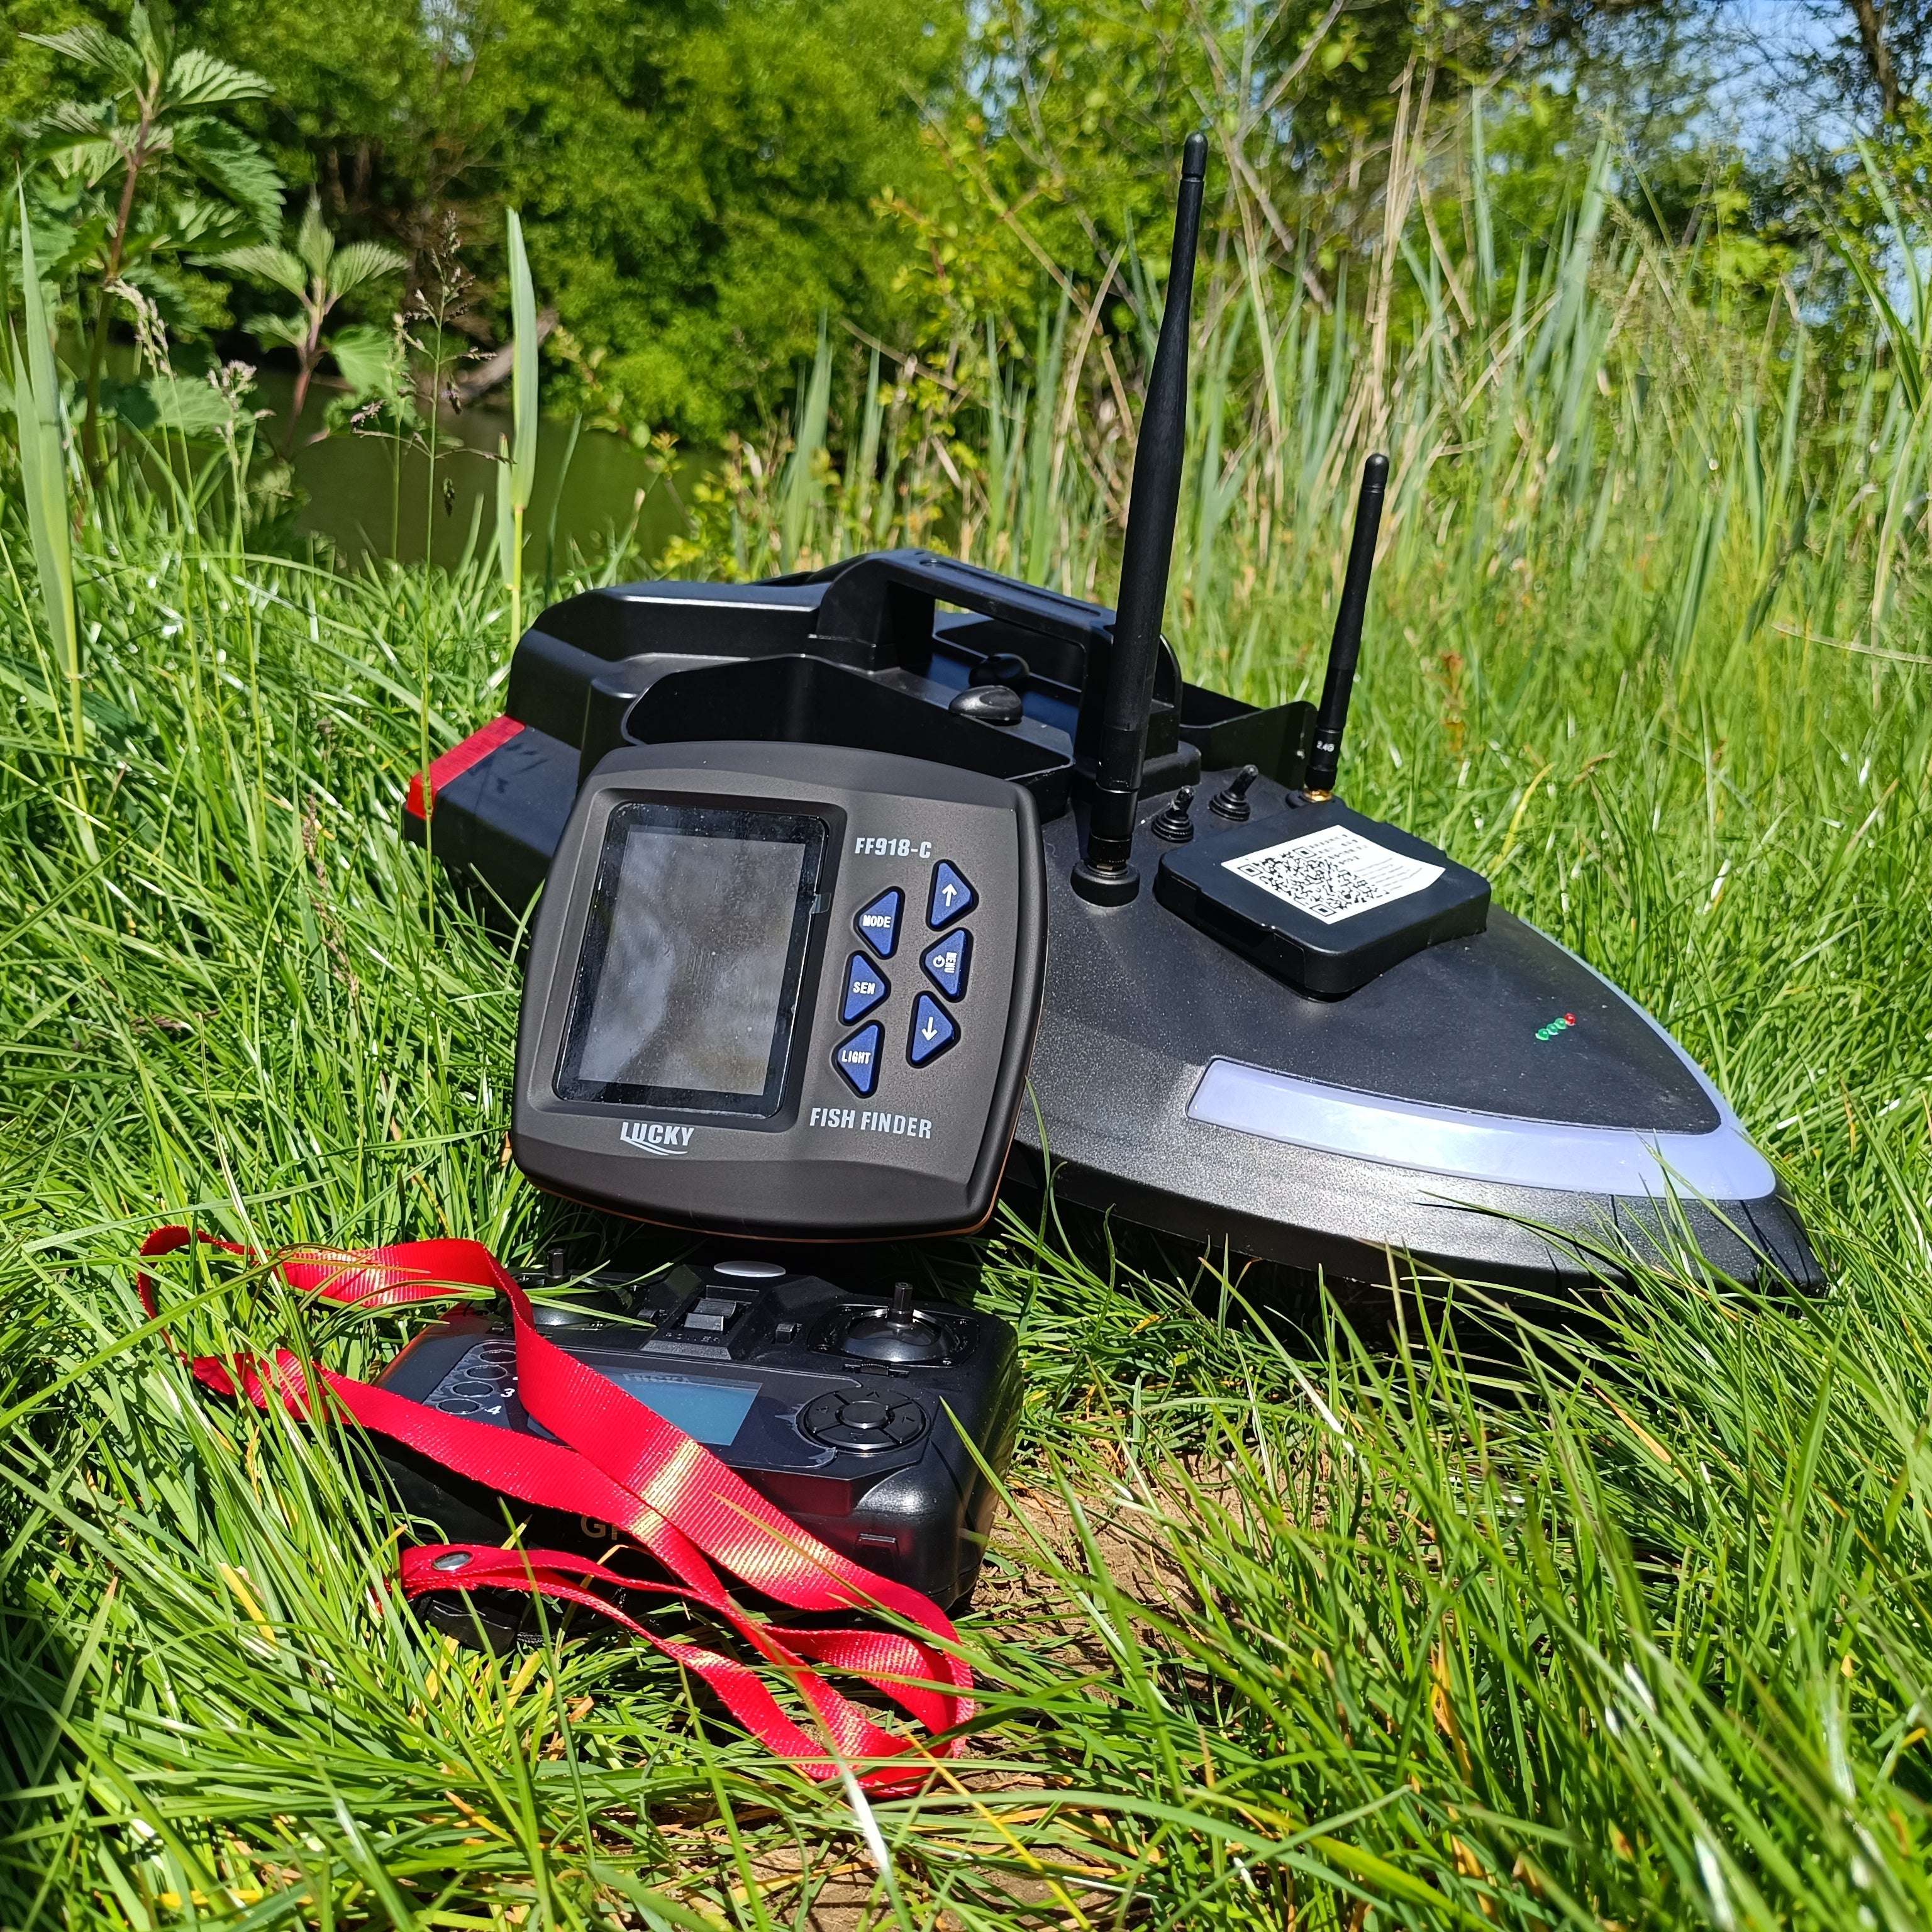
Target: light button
[934, 1030]
[953, 895]
[947, 961]
[865, 986]
[858, 1059]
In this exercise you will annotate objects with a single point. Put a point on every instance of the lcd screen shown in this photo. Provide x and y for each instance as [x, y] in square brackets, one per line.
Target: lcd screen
[689, 972]
[713, 1412]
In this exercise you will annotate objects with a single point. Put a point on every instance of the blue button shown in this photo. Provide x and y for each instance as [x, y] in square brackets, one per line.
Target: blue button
[878, 924]
[865, 986]
[933, 1031]
[858, 1059]
[953, 895]
[946, 961]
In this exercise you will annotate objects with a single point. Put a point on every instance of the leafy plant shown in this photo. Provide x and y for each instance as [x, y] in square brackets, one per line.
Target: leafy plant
[153, 173]
[319, 274]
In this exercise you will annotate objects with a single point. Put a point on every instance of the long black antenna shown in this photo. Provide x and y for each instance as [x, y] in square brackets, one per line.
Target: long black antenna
[1106, 875]
[1325, 760]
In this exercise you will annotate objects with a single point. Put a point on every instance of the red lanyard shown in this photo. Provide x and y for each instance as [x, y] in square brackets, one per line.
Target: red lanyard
[617, 1461]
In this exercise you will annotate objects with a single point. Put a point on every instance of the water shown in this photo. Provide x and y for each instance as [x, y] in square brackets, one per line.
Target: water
[369, 499]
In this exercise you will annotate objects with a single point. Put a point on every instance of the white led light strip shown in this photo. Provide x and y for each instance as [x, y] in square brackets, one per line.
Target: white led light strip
[1720, 1165]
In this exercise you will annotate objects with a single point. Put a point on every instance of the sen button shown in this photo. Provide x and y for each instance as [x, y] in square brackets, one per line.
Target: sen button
[934, 1030]
[947, 962]
[858, 1059]
[865, 986]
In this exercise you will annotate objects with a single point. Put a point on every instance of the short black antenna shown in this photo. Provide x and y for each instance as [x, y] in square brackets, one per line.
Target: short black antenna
[1105, 876]
[1324, 759]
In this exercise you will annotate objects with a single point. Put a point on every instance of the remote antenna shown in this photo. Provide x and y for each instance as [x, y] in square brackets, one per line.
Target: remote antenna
[1105, 876]
[1324, 759]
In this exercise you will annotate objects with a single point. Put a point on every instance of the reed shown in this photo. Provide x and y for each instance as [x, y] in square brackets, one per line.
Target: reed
[517, 454]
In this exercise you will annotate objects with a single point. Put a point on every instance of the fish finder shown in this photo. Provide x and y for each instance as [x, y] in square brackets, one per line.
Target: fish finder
[783, 989]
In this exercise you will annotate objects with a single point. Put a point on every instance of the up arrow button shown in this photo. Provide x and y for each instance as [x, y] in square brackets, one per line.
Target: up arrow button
[933, 1031]
[952, 896]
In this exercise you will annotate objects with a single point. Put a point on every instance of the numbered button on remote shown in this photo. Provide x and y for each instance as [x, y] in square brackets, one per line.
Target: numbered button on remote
[865, 986]
[858, 1059]
[934, 1030]
[947, 961]
[953, 895]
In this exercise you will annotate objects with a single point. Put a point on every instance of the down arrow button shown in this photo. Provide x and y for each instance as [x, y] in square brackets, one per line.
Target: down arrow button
[933, 1031]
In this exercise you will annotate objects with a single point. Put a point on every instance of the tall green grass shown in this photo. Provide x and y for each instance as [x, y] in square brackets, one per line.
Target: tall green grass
[1376, 1626]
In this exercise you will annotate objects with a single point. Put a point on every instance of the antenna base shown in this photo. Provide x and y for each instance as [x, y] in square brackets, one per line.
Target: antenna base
[1106, 885]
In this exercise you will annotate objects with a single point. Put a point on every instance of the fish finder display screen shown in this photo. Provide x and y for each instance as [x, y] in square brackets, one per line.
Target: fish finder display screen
[688, 981]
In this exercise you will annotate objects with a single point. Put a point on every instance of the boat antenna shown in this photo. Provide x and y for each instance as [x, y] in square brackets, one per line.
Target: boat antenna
[1324, 758]
[1105, 874]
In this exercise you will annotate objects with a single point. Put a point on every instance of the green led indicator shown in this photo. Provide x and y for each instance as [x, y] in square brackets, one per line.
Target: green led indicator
[1555, 1026]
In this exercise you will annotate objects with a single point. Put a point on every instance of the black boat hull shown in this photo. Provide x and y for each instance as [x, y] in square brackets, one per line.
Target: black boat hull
[1489, 1108]
[1140, 1006]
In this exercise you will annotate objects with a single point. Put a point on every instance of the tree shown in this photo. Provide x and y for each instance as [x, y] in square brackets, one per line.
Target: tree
[152, 173]
[699, 180]
[318, 274]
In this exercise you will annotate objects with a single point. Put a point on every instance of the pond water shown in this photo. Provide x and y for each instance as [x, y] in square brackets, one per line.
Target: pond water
[368, 498]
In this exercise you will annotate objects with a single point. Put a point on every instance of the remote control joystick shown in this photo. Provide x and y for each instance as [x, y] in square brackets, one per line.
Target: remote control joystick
[1174, 825]
[1231, 803]
[989, 703]
[899, 1335]
[1006, 668]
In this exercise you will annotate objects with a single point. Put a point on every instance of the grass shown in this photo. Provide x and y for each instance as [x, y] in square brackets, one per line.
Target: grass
[1362, 1628]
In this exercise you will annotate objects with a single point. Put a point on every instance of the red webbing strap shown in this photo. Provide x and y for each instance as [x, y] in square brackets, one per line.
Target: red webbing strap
[621, 1463]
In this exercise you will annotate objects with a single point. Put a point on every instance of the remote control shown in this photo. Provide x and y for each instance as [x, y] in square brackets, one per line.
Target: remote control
[851, 1412]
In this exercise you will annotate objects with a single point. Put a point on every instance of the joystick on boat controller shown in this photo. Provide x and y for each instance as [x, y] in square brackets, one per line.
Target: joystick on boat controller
[899, 1335]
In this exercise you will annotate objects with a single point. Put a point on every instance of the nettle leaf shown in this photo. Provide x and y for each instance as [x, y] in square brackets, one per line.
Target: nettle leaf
[81, 117]
[200, 79]
[195, 220]
[82, 245]
[94, 46]
[292, 329]
[89, 161]
[314, 242]
[362, 261]
[189, 406]
[363, 353]
[262, 262]
[227, 159]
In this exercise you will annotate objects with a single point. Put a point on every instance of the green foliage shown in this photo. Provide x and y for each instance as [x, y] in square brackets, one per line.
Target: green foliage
[697, 180]
[319, 274]
[144, 172]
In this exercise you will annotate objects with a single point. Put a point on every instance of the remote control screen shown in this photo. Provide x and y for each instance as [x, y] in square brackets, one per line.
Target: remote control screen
[688, 982]
[712, 1412]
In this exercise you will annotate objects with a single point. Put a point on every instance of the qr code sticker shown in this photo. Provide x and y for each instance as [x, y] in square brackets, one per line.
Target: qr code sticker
[1333, 873]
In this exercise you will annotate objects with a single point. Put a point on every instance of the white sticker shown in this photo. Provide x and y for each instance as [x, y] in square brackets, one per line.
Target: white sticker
[1333, 873]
